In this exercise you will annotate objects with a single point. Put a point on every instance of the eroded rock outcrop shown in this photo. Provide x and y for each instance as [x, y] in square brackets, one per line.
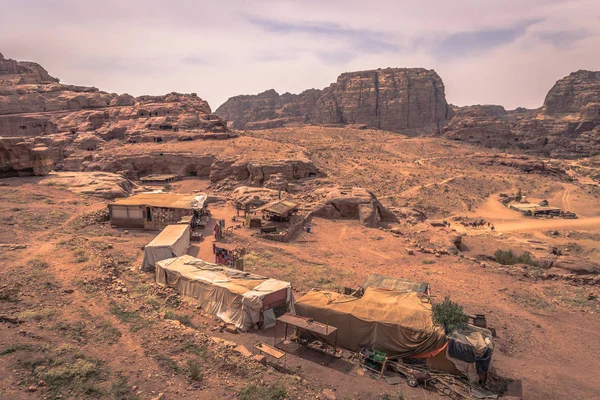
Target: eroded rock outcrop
[34, 105]
[212, 166]
[269, 109]
[566, 126]
[574, 92]
[392, 99]
[19, 157]
[352, 203]
[98, 184]
[482, 124]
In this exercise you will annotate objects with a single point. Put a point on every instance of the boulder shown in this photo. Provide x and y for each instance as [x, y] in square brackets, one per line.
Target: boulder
[351, 203]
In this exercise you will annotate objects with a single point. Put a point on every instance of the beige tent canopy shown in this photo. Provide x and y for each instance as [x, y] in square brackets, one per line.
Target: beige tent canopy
[399, 324]
[173, 241]
[237, 297]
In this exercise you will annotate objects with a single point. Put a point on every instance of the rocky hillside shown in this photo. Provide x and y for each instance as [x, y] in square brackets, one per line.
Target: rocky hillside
[393, 99]
[43, 122]
[566, 126]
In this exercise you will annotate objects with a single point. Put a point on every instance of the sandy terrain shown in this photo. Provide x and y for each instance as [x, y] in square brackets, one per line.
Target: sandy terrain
[78, 293]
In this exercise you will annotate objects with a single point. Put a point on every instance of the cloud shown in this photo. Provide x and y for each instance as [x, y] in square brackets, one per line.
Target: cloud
[195, 60]
[485, 52]
[563, 39]
[360, 39]
[461, 44]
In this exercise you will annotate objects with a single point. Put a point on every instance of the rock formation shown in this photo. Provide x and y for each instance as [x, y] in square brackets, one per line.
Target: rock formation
[37, 109]
[207, 165]
[487, 125]
[574, 92]
[352, 203]
[269, 109]
[566, 126]
[98, 184]
[394, 99]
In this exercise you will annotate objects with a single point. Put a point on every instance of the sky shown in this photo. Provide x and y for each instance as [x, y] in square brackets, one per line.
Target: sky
[506, 52]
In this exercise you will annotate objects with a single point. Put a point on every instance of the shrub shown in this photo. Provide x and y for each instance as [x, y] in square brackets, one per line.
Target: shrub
[120, 390]
[450, 315]
[184, 319]
[9, 295]
[193, 370]
[16, 347]
[508, 257]
[38, 263]
[274, 391]
[37, 315]
[131, 317]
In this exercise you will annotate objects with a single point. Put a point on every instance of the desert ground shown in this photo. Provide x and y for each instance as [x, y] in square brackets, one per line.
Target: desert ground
[91, 325]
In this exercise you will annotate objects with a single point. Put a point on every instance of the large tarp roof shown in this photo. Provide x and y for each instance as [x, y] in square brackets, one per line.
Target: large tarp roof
[397, 284]
[234, 296]
[163, 200]
[173, 241]
[170, 235]
[399, 324]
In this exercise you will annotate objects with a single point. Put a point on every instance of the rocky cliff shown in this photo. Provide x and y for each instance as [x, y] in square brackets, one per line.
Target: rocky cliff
[394, 99]
[566, 126]
[573, 93]
[269, 109]
[43, 122]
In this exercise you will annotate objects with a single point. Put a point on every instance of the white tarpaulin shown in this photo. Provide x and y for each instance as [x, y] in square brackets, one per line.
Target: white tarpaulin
[173, 241]
[237, 297]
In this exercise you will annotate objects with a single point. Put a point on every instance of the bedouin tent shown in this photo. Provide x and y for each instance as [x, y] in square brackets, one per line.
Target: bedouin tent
[399, 324]
[173, 241]
[237, 297]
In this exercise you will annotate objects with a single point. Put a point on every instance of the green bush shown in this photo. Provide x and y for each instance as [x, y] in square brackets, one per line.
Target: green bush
[194, 372]
[184, 319]
[508, 257]
[274, 391]
[450, 315]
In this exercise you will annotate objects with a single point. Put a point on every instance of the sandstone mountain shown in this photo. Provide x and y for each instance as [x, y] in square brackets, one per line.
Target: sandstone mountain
[44, 124]
[566, 126]
[394, 99]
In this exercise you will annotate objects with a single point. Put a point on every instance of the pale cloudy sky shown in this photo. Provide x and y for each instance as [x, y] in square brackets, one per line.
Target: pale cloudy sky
[507, 52]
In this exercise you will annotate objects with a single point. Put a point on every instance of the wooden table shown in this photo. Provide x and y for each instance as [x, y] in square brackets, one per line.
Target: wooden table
[308, 324]
[271, 351]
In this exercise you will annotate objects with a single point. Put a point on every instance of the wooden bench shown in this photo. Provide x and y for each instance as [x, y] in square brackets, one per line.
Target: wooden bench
[271, 351]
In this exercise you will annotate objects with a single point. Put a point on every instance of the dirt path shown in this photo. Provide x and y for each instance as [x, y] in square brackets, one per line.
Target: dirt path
[506, 220]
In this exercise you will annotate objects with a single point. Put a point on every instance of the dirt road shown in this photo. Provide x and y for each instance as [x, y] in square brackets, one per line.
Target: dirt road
[506, 220]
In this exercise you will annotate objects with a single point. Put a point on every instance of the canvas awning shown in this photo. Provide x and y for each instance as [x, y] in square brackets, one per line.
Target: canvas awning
[237, 297]
[399, 324]
[173, 241]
